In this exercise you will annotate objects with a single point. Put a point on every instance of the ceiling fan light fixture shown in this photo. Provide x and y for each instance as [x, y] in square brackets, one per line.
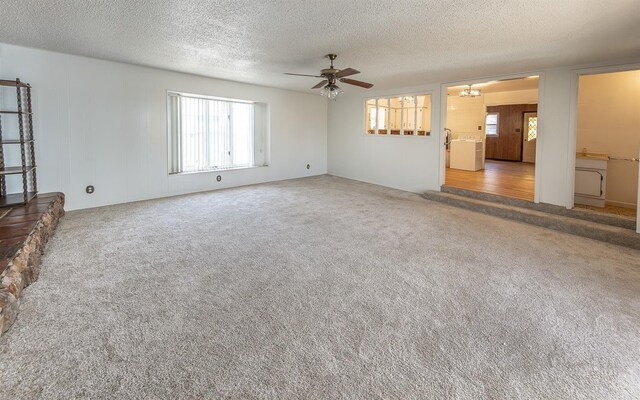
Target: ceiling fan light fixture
[470, 92]
[330, 76]
[332, 91]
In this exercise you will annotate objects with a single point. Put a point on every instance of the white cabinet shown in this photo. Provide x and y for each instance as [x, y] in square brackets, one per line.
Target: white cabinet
[404, 119]
[424, 119]
[394, 119]
[591, 179]
[466, 155]
[589, 182]
[409, 119]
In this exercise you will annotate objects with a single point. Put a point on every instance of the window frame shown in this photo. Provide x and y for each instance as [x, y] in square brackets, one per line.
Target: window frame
[364, 116]
[256, 110]
[497, 124]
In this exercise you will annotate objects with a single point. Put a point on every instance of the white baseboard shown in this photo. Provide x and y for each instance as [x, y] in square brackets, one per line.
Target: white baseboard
[589, 201]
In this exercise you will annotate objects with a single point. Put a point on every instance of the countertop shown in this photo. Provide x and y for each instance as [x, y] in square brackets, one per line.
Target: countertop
[593, 156]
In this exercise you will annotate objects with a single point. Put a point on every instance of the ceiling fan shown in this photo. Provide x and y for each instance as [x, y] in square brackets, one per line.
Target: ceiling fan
[331, 75]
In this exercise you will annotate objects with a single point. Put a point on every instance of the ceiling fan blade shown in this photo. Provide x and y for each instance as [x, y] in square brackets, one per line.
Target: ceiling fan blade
[347, 72]
[357, 83]
[321, 84]
[312, 76]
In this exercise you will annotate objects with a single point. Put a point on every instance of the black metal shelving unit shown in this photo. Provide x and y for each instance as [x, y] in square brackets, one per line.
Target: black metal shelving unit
[23, 143]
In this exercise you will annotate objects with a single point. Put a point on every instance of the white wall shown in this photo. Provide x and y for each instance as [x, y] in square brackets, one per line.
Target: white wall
[528, 96]
[104, 124]
[609, 123]
[402, 162]
[415, 164]
[465, 115]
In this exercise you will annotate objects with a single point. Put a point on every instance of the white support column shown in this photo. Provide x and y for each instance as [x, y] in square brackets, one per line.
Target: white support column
[638, 200]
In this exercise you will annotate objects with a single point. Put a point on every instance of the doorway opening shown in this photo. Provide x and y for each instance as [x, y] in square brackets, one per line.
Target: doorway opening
[608, 142]
[491, 135]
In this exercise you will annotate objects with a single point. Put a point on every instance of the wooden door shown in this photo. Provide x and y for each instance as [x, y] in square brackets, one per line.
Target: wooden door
[507, 144]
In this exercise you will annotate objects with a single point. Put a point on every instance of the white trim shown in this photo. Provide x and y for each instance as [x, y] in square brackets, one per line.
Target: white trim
[475, 81]
[537, 181]
[573, 121]
[486, 114]
[441, 140]
[443, 119]
[171, 152]
[402, 116]
[210, 171]
[415, 118]
[207, 97]
[364, 120]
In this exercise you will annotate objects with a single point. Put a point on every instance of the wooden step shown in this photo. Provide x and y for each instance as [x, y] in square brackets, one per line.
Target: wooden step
[563, 223]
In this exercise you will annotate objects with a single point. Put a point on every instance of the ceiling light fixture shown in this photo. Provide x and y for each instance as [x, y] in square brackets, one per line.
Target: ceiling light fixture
[469, 92]
[332, 91]
[406, 99]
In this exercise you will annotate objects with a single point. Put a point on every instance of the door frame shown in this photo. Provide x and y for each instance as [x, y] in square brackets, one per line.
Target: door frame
[443, 121]
[573, 123]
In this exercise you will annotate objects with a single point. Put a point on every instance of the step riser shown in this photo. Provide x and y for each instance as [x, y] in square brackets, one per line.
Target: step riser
[585, 215]
[624, 238]
[494, 198]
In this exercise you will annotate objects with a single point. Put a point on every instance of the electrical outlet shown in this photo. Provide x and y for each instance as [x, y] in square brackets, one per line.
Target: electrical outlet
[219, 178]
[90, 189]
[308, 166]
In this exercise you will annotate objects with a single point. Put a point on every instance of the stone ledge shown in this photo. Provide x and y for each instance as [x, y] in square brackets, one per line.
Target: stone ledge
[24, 232]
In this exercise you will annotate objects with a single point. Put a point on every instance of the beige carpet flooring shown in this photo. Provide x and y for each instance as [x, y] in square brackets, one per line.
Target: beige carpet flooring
[322, 288]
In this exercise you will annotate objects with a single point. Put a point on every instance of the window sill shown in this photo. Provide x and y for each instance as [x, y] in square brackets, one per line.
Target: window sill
[211, 171]
[396, 135]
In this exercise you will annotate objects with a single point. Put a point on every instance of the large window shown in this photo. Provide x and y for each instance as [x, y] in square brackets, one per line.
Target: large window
[213, 134]
[406, 115]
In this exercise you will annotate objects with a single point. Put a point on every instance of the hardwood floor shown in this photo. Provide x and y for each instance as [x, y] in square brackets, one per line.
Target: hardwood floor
[609, 209]
[511, 179]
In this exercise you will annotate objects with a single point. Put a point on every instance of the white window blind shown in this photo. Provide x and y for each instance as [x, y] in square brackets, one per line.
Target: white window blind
[210, 134]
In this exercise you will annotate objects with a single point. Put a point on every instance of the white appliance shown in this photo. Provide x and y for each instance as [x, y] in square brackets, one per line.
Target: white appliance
[466, 154]
[591, 179]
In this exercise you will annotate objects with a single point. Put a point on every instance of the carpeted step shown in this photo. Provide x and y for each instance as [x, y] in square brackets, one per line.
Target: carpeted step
[576, 226]
[584, 214]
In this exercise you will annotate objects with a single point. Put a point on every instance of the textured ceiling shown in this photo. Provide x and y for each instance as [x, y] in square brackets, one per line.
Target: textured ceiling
[394, 44]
